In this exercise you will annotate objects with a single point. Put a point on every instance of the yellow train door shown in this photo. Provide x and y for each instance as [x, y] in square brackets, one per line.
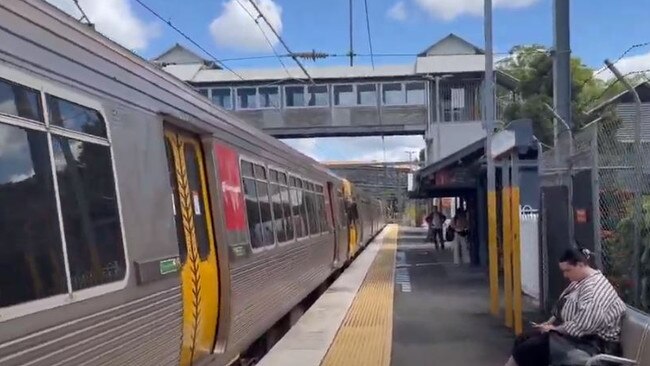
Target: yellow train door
[199, 272]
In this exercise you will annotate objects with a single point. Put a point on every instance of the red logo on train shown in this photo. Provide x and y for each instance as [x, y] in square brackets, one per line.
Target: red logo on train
[233, 198]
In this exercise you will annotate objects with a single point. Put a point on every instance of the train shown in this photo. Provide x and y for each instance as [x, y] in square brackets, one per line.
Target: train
[139, 223]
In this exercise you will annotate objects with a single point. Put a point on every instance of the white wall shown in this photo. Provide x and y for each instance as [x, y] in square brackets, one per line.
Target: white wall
[530, 253]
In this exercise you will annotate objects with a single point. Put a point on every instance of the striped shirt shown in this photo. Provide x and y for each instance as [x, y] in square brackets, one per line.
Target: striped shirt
[592, 308]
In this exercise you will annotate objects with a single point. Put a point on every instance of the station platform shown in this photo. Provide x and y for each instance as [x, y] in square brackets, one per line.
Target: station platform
[401, 302]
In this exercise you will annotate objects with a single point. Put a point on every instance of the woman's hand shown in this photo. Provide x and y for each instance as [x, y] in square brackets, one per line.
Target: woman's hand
[545, 327]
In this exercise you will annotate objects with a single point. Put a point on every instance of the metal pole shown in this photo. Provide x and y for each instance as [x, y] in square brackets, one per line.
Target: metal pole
[351, 37]
[488, 121]
[561, 64]
[438, 150]
[638, 174]
[515, 243]
[569, 166]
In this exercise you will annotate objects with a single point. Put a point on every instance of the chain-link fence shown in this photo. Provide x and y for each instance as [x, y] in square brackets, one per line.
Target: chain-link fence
[605, 167]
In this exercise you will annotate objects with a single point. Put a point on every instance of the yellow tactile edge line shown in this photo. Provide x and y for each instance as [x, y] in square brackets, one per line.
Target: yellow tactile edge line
[366, 334]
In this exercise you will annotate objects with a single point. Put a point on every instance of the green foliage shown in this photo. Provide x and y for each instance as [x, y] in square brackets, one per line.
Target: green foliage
[533, 67]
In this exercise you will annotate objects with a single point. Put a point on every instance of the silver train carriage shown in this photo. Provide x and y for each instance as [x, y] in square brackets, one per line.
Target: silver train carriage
[140, 224]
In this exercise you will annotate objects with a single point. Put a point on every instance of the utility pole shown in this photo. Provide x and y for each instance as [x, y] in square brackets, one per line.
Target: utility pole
[488, 122]
[351, 37]
[561, 68]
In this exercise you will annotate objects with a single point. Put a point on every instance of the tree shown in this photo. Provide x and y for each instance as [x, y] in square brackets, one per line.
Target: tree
[532, 65]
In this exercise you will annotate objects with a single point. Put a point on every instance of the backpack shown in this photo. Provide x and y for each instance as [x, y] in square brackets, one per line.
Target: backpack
[449, 234]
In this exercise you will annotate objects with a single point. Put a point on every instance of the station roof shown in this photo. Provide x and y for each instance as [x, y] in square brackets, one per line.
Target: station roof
[450, 55]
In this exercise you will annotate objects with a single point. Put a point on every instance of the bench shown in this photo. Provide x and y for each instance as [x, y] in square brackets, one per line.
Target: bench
[634, 333]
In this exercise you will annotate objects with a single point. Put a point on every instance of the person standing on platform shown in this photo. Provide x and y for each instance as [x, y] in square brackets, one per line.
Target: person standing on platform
[435, 220]
[461, 227]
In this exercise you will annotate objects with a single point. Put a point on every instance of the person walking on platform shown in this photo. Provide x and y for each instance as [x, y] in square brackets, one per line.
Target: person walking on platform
[585, 321]
[435, 220]
[461, 246]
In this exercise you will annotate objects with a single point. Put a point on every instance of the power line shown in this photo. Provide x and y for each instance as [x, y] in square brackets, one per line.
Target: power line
[169, 23]
[255, 20]
[372, 57]
[280, 39]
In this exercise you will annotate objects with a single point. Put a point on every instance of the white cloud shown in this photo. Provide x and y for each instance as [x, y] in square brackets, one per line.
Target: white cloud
[234, 28]
[397, 11]
[450, 9]
[628, 64]
[115, 19]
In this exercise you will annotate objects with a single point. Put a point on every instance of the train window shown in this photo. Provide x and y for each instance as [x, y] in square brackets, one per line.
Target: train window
[313, 213]
[274, 175]
[20, 101]
[282, 178]
[324, 223]
[31, 264]
[247, 169]
[278, 213]
[90, 214]
[305, 212]
[265, 212]
[287, 209]
[75, 117]
[260, 172]
[192, 161]
[300, 224]
[299, 183]
[253, 213]
[292, 181]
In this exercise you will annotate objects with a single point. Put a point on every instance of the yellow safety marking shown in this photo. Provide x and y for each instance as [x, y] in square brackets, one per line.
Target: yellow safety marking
[516, 261]
[200, 282]
[366, 335]
[493, 253]
[506, 206]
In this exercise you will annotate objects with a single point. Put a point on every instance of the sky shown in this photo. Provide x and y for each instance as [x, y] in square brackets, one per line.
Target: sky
[600, 29]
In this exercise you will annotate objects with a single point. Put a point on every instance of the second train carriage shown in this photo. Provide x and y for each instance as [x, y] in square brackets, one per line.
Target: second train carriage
[140, 224]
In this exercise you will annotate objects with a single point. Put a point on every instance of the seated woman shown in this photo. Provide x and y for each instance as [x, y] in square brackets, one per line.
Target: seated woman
[586, 319]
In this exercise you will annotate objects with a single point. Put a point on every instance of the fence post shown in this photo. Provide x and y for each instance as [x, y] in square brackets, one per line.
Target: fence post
[595, 196]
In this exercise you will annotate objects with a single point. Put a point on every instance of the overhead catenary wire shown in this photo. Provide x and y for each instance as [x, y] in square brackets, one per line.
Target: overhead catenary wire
[372, 57]
[188, 38]
[302, 67]
[255, 20]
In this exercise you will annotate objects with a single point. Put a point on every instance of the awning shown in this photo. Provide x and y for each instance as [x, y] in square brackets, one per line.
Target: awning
[452, 175]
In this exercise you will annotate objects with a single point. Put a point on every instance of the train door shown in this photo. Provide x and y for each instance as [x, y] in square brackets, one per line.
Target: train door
[334, 222]
[199, 267]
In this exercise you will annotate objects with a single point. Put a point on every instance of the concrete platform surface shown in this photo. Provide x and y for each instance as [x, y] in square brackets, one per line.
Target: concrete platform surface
[440, 312]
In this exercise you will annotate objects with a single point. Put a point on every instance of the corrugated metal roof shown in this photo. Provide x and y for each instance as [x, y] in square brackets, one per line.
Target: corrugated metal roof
[450, 64]
[424, 65]
[332, 72]
[185, 72]
[627, 113]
